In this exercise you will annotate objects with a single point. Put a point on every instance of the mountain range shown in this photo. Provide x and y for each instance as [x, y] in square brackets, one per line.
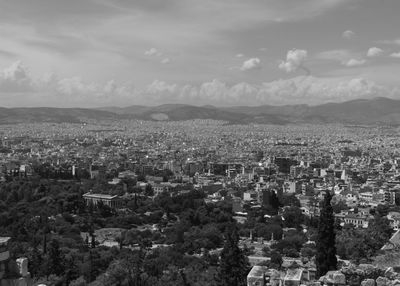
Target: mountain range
[361, 111]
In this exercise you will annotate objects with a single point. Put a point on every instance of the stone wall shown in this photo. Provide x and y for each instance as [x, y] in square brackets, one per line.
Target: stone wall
[362, 275]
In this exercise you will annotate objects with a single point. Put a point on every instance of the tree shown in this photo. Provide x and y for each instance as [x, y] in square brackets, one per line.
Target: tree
[93, 241]
[308, 251]
[234, 265]
[148, 191]
[55, 259]
[379, 231]
[35, 262]
[326, 249]
[339, 206]
[293, 217]
[128, 269]
[276, 259]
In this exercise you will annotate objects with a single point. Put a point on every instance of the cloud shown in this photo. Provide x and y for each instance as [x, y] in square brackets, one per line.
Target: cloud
[345, 57]
[348, 34]
[49, 90]
[6, 54]
[75, 85]
[297, 90]
[354, 62]
[159, 87]
[153, 52]
[15, 78]
[294, 61]
[166, 61]
[334, 55]
[374, 52]
[395, 55]
[318, 90]
[239, 56]
[390, 42]
[251, 64]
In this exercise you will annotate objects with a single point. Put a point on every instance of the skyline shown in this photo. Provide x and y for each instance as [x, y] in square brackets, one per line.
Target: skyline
[95, 53]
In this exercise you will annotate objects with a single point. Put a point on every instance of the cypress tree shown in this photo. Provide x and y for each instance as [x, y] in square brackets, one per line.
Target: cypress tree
[234, 265]
[55, 258]
[35, 262]
[93, 241]
[326, 249]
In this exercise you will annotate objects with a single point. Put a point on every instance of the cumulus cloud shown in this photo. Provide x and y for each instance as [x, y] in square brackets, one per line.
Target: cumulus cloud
[345, 57]
[76, 85]
[251, 64]
[294, 61]
[395, 55]
[239, 55]
[15, 78]
[49, 89]
[302, 89]
[75, 91]
[348, 34]
[159, 87]
[354, 62]
[374, 52]
[318, 90]
[153, 52]
[165, 61]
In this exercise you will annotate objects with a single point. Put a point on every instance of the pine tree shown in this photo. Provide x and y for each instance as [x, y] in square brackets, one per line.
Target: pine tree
[234, 265]
[326, 249]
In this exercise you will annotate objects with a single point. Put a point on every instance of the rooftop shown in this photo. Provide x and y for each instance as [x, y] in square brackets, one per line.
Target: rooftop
[4, 240]
[257, 271]
[294, 274]
[100, 196]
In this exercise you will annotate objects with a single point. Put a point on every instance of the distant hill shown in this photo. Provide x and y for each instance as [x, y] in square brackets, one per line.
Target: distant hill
[49, 114]
[361, 111]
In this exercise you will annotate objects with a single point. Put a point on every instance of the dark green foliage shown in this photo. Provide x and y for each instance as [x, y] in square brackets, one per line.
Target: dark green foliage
[289, 200]
[148, 191]
[270, 202]
[339, 206]
[35, 263]
[361, 245]
[55, 260]
[93, 241]
[46, 219]
[276, 260]
[291, 245]
[326, 249]
[71, 270]
[234, 265]
[308, 251]
[293, 217]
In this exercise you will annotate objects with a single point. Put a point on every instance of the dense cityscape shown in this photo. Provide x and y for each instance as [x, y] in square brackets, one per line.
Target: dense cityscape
[199, 143]
[198, 202]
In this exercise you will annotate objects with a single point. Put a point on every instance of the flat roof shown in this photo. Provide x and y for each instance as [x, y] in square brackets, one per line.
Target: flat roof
[257, 271]
[100, 196]
[294, 274]
[4, 240]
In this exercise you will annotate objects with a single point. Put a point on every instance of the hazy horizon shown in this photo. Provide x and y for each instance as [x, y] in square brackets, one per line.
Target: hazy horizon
[96, 53]
[196, 105]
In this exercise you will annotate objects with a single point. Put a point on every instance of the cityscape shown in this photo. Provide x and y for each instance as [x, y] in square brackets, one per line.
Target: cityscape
[199, 147]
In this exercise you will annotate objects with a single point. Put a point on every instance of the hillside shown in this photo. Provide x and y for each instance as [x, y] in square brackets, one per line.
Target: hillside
[361, 111]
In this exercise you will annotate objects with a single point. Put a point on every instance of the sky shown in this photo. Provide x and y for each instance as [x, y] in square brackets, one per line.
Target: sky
[92, 53]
